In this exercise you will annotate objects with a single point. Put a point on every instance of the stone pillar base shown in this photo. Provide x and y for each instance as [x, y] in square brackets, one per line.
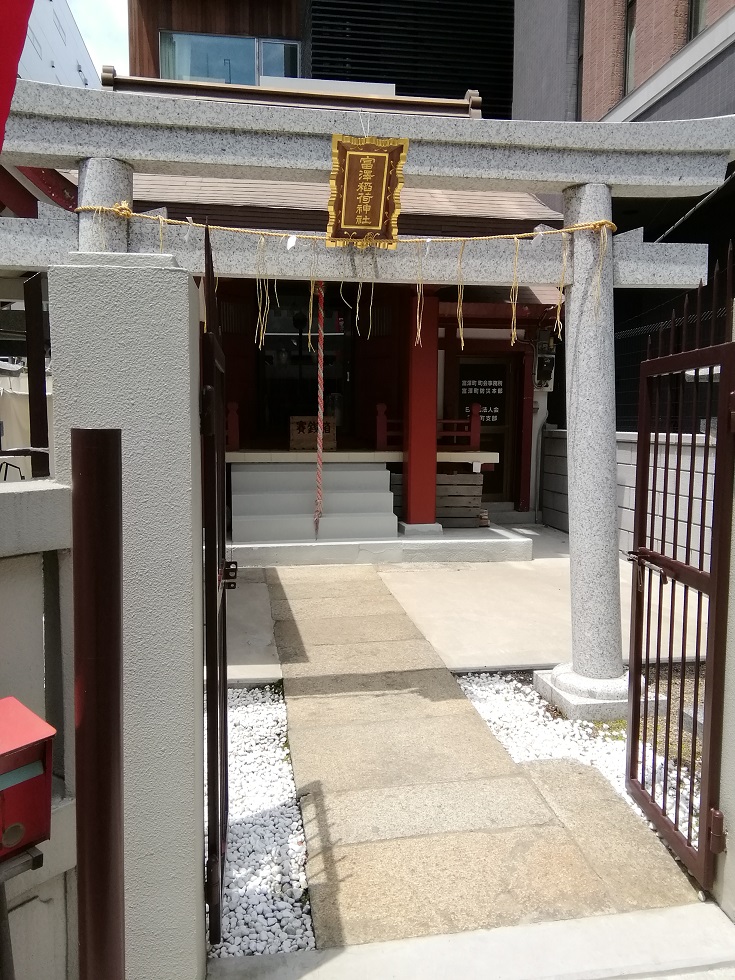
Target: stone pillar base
[420, 530]
[583, 698]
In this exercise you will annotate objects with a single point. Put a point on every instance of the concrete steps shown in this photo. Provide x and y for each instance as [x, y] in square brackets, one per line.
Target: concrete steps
[273, 503]
[271, 477]
[302, 502]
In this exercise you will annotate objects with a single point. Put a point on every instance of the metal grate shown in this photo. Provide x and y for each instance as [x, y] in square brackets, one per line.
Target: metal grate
[684, 487]
[709, 315]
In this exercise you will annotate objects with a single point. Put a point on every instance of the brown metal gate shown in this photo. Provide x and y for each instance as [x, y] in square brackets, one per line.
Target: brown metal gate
[219, 574]
[683, 510]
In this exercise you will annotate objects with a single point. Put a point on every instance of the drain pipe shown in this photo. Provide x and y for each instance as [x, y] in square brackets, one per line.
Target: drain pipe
[539, 449]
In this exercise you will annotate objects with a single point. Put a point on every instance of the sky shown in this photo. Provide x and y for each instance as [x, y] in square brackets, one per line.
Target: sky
[104, 26]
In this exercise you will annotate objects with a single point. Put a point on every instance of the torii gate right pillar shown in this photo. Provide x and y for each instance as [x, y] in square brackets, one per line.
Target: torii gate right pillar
[594, 685]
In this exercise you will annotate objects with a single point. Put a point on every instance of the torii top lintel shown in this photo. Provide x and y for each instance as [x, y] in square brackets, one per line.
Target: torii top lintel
[55, 126]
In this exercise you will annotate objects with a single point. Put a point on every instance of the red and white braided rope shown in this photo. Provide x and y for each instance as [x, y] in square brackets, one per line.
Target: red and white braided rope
[320, 408]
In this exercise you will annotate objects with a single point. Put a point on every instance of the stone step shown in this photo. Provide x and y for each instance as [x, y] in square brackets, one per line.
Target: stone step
[300, 527]
[294, 477]
[295, 465]
[489, 545]
[509, 516]
[302, 502]
[498, 506]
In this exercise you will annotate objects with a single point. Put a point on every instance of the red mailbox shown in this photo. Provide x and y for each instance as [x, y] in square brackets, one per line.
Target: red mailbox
[25, 778]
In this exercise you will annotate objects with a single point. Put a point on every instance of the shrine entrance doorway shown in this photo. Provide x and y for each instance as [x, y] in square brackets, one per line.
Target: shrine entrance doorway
[494, 383]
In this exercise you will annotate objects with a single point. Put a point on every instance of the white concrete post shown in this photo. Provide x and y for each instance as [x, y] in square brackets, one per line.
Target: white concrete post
[596, 674]
[103, 183]
[124, 331]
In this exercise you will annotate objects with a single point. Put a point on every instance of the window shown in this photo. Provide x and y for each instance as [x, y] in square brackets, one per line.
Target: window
[279, 59]
[59, 28]
[630, 47]
[226, 58]
[208, 58]
[697, 17]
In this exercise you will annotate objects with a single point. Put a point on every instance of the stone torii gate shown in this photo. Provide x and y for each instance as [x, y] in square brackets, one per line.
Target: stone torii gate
[122, 291]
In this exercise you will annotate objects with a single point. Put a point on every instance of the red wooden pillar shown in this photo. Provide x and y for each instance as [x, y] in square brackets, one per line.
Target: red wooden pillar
[524, 489]
[419, 446]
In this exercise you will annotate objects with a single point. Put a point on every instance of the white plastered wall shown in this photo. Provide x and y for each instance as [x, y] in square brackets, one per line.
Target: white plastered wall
[124, 330]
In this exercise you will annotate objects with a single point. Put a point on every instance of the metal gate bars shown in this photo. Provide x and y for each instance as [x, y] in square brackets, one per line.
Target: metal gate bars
[219, 574]
[683, 512]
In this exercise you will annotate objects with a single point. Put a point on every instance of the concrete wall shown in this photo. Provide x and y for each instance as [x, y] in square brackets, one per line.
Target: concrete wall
[554, 486]
[545, 59]
[36, 666]
[132, 362]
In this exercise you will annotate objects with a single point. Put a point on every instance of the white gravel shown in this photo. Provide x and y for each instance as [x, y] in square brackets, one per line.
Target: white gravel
[521, 721]
[267, 908]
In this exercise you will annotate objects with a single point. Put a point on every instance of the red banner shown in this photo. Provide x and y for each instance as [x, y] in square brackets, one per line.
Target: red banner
[14, 15]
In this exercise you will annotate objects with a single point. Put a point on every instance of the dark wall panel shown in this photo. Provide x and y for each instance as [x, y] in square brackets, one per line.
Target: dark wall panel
[427, 47]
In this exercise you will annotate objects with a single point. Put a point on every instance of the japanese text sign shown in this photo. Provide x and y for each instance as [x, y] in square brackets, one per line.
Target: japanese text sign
[303, 432]
[366, 182]
[486, 385]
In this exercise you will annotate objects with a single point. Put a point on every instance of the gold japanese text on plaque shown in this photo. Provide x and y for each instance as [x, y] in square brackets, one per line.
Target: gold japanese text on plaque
[365, 199]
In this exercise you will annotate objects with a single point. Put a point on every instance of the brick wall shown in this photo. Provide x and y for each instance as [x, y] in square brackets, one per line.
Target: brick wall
[604, 56]
[716, 8]
[661, 30]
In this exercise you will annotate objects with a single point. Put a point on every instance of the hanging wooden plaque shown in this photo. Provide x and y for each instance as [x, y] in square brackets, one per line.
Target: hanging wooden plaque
[365, 199]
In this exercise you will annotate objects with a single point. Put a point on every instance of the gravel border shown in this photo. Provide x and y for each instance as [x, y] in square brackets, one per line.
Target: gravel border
[526, 726]
[266, 898]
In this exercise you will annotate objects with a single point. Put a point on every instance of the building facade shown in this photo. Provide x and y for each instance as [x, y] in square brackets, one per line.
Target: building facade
[624, 60]
[55, 51]
[421, 48]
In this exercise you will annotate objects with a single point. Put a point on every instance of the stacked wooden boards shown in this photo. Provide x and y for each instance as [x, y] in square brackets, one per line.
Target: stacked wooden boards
[458, 498]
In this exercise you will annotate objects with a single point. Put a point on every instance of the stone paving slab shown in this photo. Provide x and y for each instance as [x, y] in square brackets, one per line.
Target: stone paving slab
[252, 657]
[635, 865]
[392, 812]
[450, 883]
[417, 819]
[329, 660]
[395, 753]
[288, 574]
[327, 589]
[320, 607]
[345, 629]
[343, 699]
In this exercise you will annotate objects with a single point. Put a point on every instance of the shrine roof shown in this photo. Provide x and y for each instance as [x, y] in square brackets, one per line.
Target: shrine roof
[302, 196]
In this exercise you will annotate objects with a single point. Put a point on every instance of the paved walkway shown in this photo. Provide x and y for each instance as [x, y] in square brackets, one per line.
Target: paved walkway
[417, 821]
[469, 612]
